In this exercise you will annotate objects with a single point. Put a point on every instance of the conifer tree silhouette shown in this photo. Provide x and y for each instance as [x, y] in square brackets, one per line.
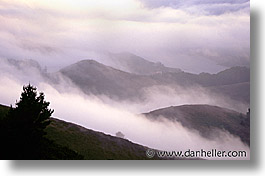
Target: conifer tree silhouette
[23, 127]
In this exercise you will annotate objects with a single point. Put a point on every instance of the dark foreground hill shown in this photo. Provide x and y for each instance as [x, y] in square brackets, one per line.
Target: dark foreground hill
[19, 148]
[70, 141]
[207, 120]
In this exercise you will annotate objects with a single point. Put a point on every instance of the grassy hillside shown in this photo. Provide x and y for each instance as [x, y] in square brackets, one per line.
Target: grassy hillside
[206, 119]
[91, 144]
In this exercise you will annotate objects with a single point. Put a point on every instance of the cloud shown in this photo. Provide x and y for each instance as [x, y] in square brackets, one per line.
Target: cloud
[60, 32]
[202, 7]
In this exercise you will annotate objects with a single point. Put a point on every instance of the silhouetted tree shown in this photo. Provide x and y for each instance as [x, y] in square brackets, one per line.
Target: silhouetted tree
[31, 113]
[25, 123]
[22, 131]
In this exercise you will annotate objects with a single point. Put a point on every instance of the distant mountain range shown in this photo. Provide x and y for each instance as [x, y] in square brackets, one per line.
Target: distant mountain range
[25, 65]
[131, 63]
[207, 120]
[229, 76]
[239, 91]
[26, 69]
[93, 77]
[96, 78]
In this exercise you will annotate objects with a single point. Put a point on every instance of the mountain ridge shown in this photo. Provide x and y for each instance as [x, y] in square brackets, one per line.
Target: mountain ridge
[206, 119]
[134, 64]
[96, 78]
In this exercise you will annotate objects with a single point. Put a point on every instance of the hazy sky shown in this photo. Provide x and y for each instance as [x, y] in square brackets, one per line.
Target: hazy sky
[195, 35]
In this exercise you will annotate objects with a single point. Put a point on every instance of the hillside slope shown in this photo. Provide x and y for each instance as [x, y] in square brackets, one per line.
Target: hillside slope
[207, 119]
[92, 144]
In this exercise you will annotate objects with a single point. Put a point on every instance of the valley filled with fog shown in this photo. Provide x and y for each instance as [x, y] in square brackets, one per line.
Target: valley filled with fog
[169, 75]
[103, 112]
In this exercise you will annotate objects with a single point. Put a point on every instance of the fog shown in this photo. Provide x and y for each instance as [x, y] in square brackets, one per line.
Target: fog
[163, 96]
[109, 116]
[196, 37]
[153, 98]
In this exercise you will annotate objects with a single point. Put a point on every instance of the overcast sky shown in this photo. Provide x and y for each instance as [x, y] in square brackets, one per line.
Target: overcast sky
[195, 35]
